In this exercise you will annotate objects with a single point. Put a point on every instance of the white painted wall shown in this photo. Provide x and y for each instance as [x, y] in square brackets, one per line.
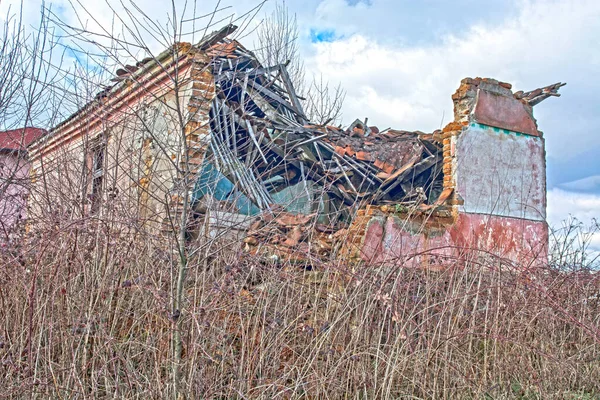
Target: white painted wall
[500, 172]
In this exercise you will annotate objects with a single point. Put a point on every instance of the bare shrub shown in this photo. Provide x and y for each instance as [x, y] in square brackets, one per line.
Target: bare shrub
[571, 247]
[90, 315]
[95, 305]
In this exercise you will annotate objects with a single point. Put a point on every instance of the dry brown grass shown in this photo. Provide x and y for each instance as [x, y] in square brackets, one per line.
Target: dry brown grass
[83, 316]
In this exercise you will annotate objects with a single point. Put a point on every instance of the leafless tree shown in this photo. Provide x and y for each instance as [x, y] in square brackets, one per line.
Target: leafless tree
[323, 104]
[278, 44]
[153, 143]
[25, 76]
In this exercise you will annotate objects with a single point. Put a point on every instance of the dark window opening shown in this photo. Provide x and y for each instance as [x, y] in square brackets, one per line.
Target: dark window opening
[97, 175]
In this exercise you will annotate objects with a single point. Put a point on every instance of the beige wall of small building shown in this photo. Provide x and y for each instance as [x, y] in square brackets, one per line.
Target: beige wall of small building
[141, 124]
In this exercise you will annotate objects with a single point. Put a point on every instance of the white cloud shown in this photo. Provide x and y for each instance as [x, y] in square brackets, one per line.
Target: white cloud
[409, 87]
[585, 207]
[562, 204]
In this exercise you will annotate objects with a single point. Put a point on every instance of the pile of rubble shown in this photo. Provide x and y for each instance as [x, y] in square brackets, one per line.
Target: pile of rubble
[290, 236]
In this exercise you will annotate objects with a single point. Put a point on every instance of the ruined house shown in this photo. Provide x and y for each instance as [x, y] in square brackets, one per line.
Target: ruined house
[209, 121]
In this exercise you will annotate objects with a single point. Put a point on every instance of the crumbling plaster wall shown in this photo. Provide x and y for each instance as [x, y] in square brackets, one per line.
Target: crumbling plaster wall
[390, 239]
[142, 122]
[138, 172]
[501, 172]
[494, 161]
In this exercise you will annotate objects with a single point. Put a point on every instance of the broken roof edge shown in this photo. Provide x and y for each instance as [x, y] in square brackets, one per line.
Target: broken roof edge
[171, 52]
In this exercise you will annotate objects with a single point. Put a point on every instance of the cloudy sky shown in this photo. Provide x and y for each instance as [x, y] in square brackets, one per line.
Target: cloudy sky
[400, 61]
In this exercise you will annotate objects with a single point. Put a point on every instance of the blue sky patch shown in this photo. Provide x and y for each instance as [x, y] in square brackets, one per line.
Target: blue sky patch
[318, 36]
[355, 2]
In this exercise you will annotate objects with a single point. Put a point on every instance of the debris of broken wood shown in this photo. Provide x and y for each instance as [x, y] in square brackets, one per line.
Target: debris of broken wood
[536, 96]
[264, 149]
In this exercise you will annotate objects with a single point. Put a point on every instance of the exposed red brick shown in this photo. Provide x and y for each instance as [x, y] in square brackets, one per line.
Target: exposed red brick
[358, 131]
[452, 126]
[385, 167]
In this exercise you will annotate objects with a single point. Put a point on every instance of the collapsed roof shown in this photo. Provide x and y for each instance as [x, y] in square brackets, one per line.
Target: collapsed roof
[264, 153]
[264, 156]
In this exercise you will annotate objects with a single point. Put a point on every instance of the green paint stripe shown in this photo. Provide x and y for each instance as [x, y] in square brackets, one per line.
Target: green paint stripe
[502, 130]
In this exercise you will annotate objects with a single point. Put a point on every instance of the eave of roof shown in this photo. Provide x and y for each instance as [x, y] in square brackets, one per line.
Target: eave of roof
[178, 50]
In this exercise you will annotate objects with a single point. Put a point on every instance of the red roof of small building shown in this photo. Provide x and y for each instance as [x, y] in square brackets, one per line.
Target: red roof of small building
[19, 139]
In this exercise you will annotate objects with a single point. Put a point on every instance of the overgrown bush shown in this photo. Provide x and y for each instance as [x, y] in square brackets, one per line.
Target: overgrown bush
[85, 313]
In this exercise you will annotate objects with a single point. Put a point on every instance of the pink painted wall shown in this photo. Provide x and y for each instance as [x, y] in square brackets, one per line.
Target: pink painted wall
[389, 239]
[14, 189]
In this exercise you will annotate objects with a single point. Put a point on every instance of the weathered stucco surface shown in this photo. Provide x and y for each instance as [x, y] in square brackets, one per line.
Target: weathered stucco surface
[494, 162]
[389, 239]
[135, 163]
[142, 132]
[500, 172]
